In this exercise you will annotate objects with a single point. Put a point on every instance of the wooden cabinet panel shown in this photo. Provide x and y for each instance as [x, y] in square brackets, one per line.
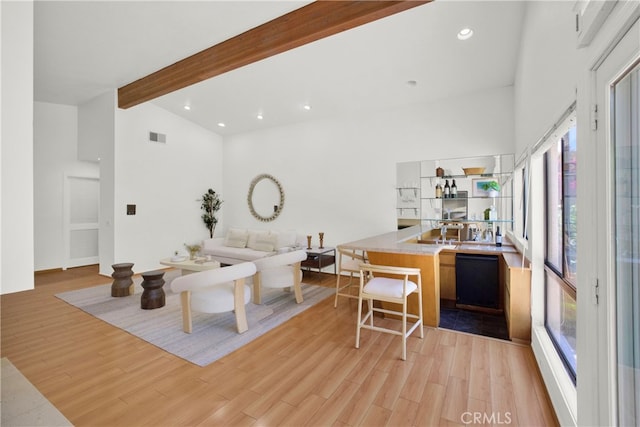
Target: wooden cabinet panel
[517, 298]
[430, 273]
[448, 275]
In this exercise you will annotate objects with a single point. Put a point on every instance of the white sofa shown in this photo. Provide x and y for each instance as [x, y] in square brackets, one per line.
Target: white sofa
[241, 244]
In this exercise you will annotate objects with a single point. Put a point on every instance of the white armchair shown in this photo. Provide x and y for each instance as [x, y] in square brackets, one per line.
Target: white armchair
[279, 271]
[215, 291]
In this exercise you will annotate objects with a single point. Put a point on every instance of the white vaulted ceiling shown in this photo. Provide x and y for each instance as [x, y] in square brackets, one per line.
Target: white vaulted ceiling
[85, 48]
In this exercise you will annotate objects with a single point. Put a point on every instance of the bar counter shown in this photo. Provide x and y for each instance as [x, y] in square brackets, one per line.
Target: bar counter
[401, 248]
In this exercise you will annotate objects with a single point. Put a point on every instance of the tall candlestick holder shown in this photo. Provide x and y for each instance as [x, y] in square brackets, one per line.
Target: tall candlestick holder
[308, 242]
[321, 235]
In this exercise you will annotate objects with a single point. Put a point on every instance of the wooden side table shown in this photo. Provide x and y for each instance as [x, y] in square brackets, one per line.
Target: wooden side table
[319, 258]
[153, 294]
[122, 285]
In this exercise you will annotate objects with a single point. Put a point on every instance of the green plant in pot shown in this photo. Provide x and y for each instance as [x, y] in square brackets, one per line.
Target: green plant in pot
[211, 204]
[491, 187]
[193, 250]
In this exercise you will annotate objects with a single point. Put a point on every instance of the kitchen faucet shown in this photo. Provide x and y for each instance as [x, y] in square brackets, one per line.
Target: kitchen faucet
[443, 233]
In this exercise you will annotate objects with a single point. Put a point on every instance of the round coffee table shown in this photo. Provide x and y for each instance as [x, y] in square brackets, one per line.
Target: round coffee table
[153, 294]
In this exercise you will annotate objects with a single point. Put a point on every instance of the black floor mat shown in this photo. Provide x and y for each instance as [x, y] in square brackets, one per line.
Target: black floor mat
[473, 322]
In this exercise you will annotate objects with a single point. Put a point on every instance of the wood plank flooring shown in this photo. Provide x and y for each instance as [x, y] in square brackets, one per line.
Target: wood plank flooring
[305, 372]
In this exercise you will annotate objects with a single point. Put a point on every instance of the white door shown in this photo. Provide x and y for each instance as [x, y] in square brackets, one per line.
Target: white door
[618, 99]
[81, 216]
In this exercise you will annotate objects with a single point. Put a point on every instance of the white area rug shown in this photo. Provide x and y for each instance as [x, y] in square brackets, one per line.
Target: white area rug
[213, 336]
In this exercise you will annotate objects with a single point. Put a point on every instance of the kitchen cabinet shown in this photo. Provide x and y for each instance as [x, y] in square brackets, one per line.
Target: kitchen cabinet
[517, 296]
[448, 276]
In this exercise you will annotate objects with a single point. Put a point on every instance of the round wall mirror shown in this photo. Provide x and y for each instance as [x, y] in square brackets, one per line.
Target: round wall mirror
[266, 198]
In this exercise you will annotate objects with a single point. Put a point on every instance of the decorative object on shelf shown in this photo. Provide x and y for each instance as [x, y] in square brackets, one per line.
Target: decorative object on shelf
[485, 187]
[210, 205]
[193, 250]
[308, 242]
[473, 171]
[277, 208]
[439, 172]
[321, 235]
[471, 199]
[490, 214]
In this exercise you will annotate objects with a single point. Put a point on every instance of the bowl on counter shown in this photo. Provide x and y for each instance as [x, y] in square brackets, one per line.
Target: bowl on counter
[473, 171]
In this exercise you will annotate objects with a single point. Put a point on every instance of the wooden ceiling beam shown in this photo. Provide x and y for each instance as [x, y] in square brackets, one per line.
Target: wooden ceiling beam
[305, 25]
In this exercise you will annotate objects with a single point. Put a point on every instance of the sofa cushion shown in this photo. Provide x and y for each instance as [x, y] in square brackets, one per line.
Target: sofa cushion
[236, 238]
[241, 254]
[262, 241]
[284, 238]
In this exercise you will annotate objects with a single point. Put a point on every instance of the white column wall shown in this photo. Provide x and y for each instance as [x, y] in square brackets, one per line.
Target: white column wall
[339, 175]
[96, 129]
[16, 148]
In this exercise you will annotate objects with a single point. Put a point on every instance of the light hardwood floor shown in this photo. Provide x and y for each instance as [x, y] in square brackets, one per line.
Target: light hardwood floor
[305, 372]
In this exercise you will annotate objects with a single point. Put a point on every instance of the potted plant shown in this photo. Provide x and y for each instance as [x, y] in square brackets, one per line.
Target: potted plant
[210, 205]
[492, 188]
[193, 250]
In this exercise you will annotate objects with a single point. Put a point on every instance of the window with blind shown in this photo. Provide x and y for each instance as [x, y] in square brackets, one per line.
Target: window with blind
[560, 247]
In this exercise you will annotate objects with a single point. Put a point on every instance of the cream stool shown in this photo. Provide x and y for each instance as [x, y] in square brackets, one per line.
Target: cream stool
[394, 290]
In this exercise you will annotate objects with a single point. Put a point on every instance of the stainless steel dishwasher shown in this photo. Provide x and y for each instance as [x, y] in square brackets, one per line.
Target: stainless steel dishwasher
[477, 280]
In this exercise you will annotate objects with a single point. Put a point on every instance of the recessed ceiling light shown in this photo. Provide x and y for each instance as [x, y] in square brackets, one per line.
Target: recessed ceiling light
[260, 116]
[465, 34]
[187, 107]
[221, 124]
[307, 107]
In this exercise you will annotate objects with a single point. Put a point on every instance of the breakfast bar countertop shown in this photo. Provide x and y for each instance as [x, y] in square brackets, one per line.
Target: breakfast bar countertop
[396, 242]
[405, 242]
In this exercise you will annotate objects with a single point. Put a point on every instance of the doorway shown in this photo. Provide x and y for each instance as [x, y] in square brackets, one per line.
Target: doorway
[81, 221]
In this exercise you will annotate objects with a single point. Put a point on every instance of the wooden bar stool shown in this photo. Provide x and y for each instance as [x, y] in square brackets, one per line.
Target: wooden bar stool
[394, 289]
[349, 261]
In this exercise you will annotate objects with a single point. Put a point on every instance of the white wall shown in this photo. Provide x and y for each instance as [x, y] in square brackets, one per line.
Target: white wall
[96, 130]
[164, 181]
[55, 142]
[16, 148]
[339, 175]
[547, 71]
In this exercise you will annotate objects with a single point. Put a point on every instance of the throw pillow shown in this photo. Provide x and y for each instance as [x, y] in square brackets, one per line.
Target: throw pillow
[236, 238]
[284, 238]
[264, 242]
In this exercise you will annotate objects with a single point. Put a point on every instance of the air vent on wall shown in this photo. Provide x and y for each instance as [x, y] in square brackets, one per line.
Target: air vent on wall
[158, 137]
